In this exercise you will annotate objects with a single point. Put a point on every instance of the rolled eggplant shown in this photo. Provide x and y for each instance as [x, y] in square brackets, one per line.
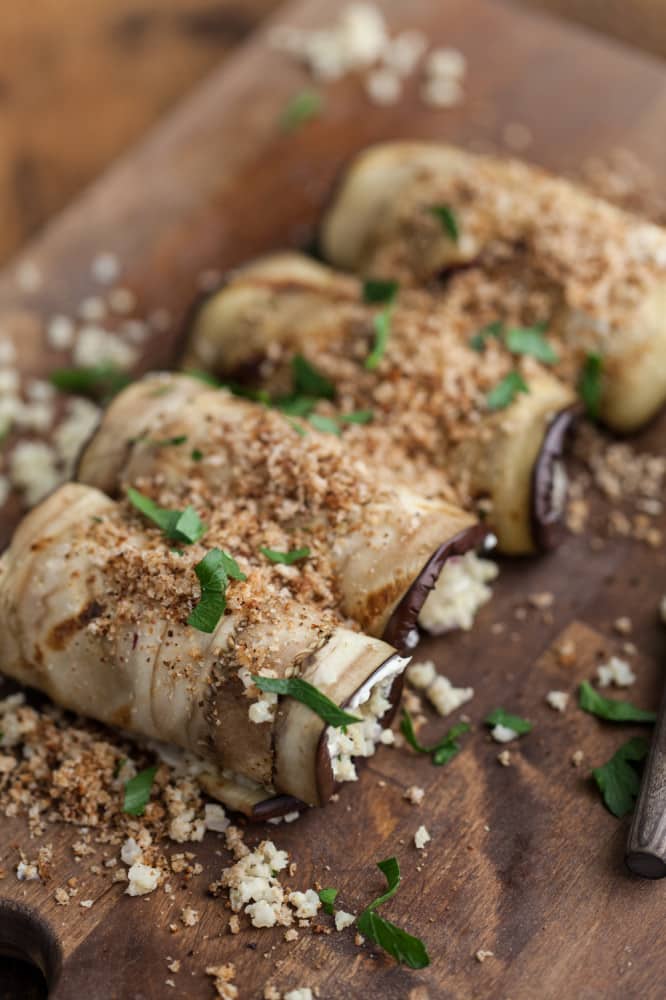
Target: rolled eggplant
[375, 548]
[93, 612]
[431, 422]
[594, 274]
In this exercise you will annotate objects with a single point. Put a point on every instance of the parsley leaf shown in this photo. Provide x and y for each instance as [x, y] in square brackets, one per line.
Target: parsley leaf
[381, 324]
[356, 417]
[183, 526]
[196, 455]
[498, 717]
[478, 341]
[307, 694]
[613, 711]
[288, 558]
[99, 381]
[137, 791]
[327, 425]
[506, 390]
[327, 898]
[617, 780]
[308, 381]
[443, 751]
[301, 108]
[530, 340]
[447, 220]
[589, 384]
[378, 290]
[213, 574]
[398, 943]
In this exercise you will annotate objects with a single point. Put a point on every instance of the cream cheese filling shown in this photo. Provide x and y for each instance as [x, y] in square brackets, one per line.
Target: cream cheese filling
[462, 588]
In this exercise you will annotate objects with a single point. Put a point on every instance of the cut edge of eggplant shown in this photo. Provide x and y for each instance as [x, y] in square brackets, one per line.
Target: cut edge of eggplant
[547, 519]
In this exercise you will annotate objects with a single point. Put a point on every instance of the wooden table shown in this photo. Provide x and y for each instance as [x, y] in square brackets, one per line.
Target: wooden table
[524, 862]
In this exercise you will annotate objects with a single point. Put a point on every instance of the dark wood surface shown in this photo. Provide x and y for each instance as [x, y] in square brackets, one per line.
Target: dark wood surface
[524, 861]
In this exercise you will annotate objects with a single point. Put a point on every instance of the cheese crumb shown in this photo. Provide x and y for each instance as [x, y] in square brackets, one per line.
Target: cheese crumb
[504, 758]
[223, 976]
[623, 625]
[300, 993]
[343, 919]
[557, 700]
[189, 917]
[577, 758]
[215, 818]
[617, 672]
[306, 903]
[421, 838]
[482, 954]
[86, 903]
[438, 689]
[105, 268]
[414, 794]
[130, 852]
[503, 734]
[142, 879]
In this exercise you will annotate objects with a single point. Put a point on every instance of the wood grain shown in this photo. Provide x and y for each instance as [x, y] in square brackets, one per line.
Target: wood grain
[524, 861]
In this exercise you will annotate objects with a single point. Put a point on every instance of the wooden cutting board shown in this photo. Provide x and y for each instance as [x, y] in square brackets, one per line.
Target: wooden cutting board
[524, 861]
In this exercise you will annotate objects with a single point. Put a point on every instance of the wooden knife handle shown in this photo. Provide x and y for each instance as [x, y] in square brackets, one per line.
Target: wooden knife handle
[646, 847]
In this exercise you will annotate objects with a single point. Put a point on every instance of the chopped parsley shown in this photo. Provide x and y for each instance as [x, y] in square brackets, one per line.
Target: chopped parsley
[301, 108]
[327, 898]
[137, 791]
[618, 779]
[506, 391]
[381, 325]
[184, 526]
[590, 384]
[357, 417]
[613, 711]
[478, 341]
[402, 946]
[447, 220]
[498, 717]
[213, 574]
[288, 558]
[307, 694]
[378, 290]
[196, 455]
[327, 425]
[308, 381]
[441, 752]
[99, 381]
[531, 340]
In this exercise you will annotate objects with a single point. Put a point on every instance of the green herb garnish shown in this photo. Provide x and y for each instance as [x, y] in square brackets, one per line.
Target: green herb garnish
[613, 711]
[308, 381]
[99, 381]
[530, 340]
[381, 325]
[301, 108]
[288, 558]
[618, 781]
[377, 290]
[447, 220]
[196, 455]
[398, 943]
[213, 574]
[327, 425]
[307, 694]
[357, 417]
[478, 341]
[444, 750]
[327, 898]
[506, 391]
[137, 791]
[589, 384]
[498, 717]
[183, 526]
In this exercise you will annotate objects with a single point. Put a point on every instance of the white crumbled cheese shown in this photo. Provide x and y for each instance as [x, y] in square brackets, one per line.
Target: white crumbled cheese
[105, 268]
[414, 794]
[446, 63]
[300, 993]
[60, 332]
[482, 954]
[263, 913]
[26, 872]
[445, 697]
[262, 710]
[503, 734]
[461, 589]
[130, 852]
[343, 919]
[92, 309]
[361, 738]
[617, 672]
[142, 879]
[33, 469]
[504, 758]
[253, 881]
[383, 86]
[95, 346]
[421, 674]
[215, 817]
[306, 904]
[189, 917]
[421, 838]
[291, 816]
[86, 903]
[557, 700]
[442, 92]
[185, 827]
[387, 738]
[403, 52]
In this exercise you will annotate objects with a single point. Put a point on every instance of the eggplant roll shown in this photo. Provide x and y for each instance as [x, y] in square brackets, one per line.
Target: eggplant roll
[93, 611]
[375, 548]
[558, 255]
[427, 396]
